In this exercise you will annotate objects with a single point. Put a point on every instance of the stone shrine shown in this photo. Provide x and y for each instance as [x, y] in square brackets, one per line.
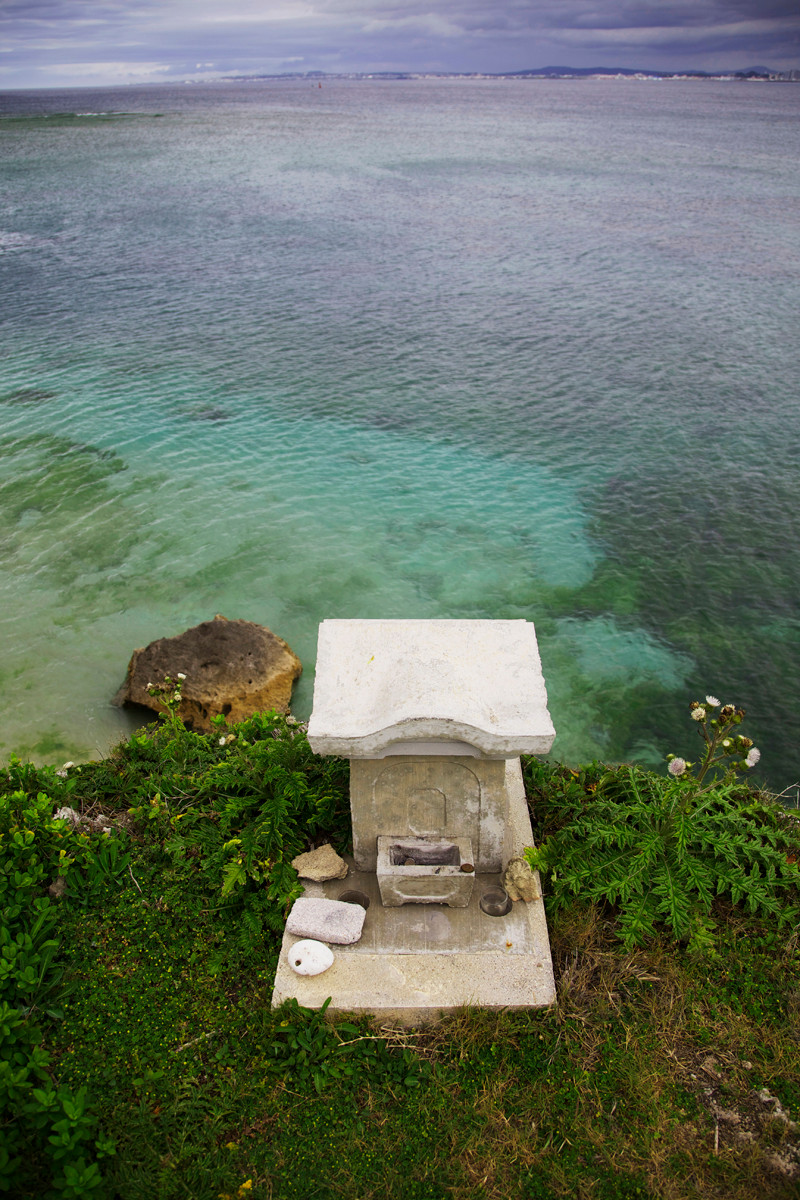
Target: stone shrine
[433, 716]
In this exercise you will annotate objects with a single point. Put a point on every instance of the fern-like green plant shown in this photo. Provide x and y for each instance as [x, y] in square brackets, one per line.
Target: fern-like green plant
[232, 808]
[261, 802]
[661, 849]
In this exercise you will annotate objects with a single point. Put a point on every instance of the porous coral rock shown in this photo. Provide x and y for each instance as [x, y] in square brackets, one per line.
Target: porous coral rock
[67, 814]
[519, 880]
[234, 668]
[320, 864]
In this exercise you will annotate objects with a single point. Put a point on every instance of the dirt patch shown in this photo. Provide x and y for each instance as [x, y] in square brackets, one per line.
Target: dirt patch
[741, 1112]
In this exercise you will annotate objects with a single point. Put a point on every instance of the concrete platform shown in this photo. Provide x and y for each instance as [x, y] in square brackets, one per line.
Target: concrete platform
[419, 961]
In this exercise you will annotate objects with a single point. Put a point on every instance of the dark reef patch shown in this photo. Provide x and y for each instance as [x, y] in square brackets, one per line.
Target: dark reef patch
[27, 396]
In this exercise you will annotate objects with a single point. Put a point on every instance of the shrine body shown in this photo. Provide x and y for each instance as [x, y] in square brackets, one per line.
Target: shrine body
[433, 717]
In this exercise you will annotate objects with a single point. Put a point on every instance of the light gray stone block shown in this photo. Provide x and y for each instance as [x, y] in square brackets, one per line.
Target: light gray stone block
[326, 920]
[382, 683]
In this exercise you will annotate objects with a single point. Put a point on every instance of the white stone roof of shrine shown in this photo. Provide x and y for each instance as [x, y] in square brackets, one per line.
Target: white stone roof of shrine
[380, 684]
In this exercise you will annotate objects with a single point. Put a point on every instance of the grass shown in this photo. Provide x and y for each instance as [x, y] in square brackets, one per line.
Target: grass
[642, 1082]
[615, 1093]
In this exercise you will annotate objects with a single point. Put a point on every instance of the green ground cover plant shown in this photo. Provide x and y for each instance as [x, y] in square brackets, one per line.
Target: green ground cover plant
[141, 1057]
[661, 849]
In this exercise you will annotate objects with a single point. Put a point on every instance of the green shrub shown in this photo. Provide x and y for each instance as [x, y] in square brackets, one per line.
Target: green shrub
[49, 1140]
[315, 1052]
[229, 810]
[661, 850]
[170, 935]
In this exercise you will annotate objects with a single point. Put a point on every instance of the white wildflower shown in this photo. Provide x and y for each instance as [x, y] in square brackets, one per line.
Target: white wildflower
[181, 675]
[698, 714]
[222, 741]
[67, 814]
[753, 756]
[712, 701]
[677, 766]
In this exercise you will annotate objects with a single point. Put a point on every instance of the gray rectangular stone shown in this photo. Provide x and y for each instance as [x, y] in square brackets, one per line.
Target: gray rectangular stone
[326, 920]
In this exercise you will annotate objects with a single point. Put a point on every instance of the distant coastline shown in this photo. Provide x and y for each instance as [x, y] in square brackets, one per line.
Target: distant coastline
[751, 74]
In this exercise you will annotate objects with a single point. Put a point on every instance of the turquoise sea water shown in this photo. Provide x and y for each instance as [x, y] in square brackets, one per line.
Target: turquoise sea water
[411, 349]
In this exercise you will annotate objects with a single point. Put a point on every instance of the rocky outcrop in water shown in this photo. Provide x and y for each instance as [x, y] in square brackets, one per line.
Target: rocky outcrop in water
[236, 668]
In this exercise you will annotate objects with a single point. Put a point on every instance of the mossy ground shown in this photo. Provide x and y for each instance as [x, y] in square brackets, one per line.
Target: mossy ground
[641, 1082]
[616, 1092]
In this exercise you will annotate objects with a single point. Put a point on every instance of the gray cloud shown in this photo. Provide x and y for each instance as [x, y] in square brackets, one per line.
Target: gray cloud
[56, 42]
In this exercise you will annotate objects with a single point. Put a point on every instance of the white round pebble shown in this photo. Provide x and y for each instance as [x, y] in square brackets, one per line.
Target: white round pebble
[309, 957]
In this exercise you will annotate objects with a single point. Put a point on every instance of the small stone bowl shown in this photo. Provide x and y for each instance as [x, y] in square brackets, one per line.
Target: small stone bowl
[495, 901]
[354, 896]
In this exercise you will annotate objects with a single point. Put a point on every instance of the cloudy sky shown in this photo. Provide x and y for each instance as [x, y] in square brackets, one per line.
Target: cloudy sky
[52, 43]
